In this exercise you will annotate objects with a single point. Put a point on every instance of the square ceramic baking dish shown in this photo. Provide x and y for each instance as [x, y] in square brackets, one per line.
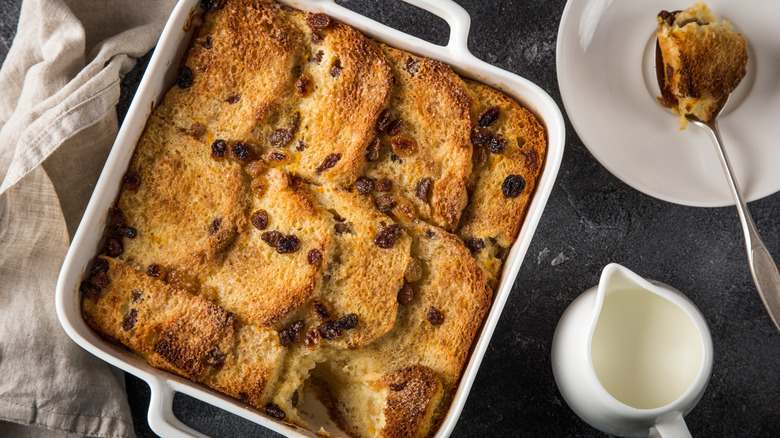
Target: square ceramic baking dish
[160, 76]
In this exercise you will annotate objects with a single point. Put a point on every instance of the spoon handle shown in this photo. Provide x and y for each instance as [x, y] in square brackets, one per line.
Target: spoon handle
[762, 266]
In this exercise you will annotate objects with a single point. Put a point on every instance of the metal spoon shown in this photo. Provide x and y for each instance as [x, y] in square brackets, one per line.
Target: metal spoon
[762, 266]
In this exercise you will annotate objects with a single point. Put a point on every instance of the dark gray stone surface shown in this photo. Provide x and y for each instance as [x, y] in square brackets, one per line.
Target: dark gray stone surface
[591, 219]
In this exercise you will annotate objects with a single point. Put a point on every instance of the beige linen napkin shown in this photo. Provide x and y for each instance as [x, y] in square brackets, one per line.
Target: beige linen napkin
[59, 87]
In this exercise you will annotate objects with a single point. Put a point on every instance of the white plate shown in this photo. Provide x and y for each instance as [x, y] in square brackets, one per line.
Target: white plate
[607, 82]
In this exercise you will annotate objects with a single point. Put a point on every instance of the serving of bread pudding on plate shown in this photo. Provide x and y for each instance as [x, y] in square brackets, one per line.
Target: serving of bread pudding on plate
[310, 212]
[703, 61]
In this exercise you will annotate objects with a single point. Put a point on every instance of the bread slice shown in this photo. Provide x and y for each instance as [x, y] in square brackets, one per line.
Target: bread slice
[240, 69]
[184, 334]
[186, 208]
[504, 177]
[424, 147]
[348, 83]
[257, 280]
[427, 354]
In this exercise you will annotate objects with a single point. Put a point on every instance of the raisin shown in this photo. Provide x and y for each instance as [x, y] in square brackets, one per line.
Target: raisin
[318, 21]
[364, 185]
[114, 247]
[215, 358]
[384, 185]
[328, 163]
[116, 217]
[302, 86]
[321, 310]
[100, 265]
[234, 99]
[260, 219]
[295, 122]
[480, 136]
[489, 117]
[398, 386]
[318, 56]
[185, 77]
[395, 127]
[387, 237]
[288, 244]
[413, 271]
[210, 5]
[255, 168]
[412, 66]
[430, 233]
[129, 321]
[512, 186]
[423, 189]
[275, 157]
[497, 144]
[294, 399]
[215, 225]
[403, 145]
[89, 291]
[335, 71]
[240, 151]
[153, 270]
[343, 227]
[405, 294]
[312, 338]
[348, 322]
[329, 330]
[385, 203]
[372, 152]
[206, 43]
[316, 38]
[475, 245]
[272, 238]
[314, 256]
[395, 158]
[100, 280]
[274, 411]
[128, 232]
[434, 315]
[383, 121]
[218, 149]
[137, 295]
[258, 187]
[280, 138]
[291, 334]
[131, 181]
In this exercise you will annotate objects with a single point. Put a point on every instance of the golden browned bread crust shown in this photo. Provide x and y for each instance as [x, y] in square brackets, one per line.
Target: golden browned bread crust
[310, 209]
[504, 177]
[426, 140]
[704, 61]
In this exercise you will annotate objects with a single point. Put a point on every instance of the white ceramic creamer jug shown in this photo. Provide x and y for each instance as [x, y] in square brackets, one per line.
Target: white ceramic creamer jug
[631, 357]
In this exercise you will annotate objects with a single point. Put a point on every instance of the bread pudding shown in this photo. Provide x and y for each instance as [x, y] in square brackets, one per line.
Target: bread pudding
[703, 61]
[310, 212]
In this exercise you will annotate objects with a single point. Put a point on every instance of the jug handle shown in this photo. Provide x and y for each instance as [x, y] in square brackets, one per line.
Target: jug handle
[671, 425]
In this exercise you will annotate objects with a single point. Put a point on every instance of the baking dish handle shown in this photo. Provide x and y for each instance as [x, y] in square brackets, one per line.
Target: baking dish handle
[456, 17]
[161, 417]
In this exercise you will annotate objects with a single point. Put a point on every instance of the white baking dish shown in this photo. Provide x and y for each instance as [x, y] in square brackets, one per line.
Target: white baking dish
[160, 75]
